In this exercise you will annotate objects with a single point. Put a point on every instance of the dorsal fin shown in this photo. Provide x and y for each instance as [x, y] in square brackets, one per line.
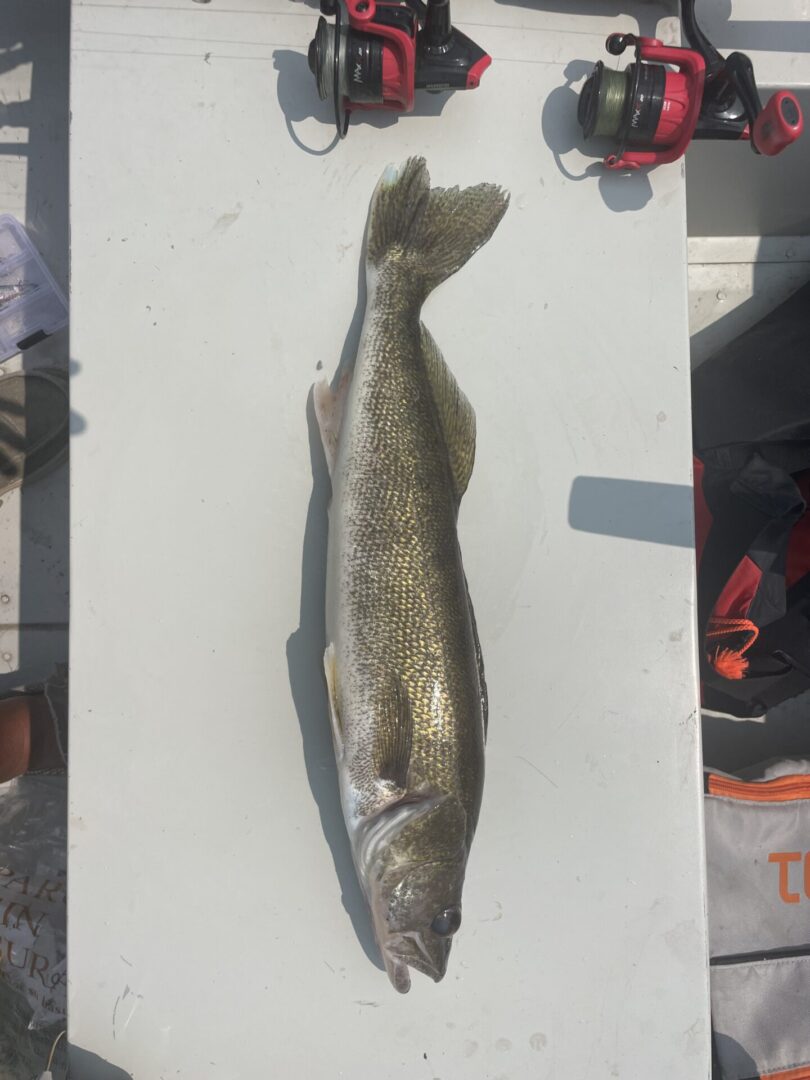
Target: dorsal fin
[455, 414]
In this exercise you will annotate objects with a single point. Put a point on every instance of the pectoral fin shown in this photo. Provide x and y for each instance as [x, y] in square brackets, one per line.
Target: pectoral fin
[394, 738]
[456, 415]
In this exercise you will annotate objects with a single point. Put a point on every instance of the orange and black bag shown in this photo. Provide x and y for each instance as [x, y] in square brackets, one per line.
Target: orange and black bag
[751, 430]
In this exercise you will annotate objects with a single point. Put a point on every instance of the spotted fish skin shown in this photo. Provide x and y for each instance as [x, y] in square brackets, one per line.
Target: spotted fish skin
[403, 665]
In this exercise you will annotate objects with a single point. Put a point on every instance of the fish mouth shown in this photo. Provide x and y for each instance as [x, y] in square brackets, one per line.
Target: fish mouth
[397, 971]
[409, 951]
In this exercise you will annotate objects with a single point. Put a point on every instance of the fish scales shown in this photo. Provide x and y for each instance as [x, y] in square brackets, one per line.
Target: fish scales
[401, 572]
[403, 666]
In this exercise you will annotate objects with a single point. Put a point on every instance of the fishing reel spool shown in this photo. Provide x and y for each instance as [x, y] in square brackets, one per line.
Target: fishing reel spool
[657, 111]
[377, 53]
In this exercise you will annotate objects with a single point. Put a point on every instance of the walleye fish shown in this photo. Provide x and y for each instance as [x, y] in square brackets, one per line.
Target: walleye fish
[407, 696]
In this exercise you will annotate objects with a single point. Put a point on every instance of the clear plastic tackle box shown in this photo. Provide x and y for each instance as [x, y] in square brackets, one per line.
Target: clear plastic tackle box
[32, 305]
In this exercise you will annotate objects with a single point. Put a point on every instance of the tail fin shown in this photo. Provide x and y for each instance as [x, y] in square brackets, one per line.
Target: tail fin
[434, 232]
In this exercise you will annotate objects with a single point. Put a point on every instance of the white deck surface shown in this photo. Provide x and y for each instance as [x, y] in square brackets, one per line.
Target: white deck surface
[216, 929]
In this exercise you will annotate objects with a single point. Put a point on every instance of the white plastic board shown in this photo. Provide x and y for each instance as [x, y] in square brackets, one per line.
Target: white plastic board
[216, 930]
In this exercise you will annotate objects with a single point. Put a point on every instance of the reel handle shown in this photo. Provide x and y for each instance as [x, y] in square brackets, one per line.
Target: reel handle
[778, 125]
[693, 66]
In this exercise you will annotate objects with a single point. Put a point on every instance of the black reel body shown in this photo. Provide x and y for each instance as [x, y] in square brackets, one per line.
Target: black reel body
[377, 54]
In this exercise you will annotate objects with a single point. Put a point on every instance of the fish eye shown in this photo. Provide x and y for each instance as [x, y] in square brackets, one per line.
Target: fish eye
[446, 922]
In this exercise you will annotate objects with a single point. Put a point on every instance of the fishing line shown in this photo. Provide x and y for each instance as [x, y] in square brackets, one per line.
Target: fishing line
[47, 1075]
[53, 1049]
[612, 100]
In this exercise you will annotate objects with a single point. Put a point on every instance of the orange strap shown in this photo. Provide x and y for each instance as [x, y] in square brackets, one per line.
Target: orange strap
[728, 662]
[780, 789]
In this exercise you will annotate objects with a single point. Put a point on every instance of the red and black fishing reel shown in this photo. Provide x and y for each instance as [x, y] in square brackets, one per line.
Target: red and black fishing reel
[379, 52]
[657, 112]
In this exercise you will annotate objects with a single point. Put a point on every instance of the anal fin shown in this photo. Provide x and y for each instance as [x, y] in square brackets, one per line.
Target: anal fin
[329, 405]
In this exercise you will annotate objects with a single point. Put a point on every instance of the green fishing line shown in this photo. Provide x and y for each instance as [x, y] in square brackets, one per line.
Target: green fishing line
[611, 103]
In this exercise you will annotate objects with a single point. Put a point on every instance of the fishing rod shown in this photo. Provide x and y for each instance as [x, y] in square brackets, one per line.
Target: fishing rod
[653, 112]
[378, 53]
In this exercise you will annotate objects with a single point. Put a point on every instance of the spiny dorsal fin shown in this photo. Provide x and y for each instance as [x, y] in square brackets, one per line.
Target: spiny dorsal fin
[394, 737]
[455, 414]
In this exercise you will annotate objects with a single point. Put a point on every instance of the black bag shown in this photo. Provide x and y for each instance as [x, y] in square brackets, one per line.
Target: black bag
[751, 431]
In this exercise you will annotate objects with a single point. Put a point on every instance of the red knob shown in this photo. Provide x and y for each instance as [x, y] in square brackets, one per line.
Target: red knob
[779, 124]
